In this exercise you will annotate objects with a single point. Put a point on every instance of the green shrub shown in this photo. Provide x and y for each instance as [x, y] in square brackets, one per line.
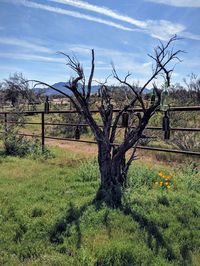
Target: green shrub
[18, 145]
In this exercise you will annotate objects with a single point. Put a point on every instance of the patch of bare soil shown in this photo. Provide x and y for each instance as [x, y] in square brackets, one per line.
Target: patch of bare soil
[77, 147]
[90, 150]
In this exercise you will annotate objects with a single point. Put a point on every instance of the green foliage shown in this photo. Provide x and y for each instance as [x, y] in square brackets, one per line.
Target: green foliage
[141, 176]
[19, 145]
[48, 218]
[88, 171]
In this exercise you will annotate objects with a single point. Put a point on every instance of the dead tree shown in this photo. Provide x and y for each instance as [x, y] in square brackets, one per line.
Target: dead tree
[112, 159]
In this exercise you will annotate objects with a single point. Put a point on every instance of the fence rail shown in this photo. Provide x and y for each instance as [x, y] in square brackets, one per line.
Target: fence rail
[171, 109]
[42, 124]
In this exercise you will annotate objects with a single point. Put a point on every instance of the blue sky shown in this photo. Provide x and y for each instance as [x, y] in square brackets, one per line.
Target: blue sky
[120, 31]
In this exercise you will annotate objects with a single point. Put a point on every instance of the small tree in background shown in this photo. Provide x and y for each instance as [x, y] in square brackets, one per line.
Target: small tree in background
[16, 90]
[112, 160]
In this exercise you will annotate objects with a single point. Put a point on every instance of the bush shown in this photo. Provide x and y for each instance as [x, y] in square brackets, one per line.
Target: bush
[18, 145]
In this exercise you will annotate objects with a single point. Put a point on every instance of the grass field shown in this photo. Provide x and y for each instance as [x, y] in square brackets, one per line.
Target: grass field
[47, 216]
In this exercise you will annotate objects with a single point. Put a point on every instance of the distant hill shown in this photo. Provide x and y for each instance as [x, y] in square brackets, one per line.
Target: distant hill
[60, 85]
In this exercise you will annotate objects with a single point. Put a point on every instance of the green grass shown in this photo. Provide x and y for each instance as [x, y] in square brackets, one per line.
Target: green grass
[47, 218]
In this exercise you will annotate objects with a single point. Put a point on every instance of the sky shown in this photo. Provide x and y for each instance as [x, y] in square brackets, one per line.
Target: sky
[122, 32]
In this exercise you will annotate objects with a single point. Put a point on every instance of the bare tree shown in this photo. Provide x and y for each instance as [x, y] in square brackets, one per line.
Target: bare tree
[112, 159]
[194, 87]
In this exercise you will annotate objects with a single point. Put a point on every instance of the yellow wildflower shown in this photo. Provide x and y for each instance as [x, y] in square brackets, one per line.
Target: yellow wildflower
[156, 183]
[168, 186]
[161, 183]
[166, 183]
[160, 174]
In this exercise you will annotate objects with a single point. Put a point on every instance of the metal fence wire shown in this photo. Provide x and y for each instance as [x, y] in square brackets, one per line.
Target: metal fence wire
[5, 120]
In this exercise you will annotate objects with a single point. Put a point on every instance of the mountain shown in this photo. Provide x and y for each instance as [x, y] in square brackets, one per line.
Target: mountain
[60, 85]
[50, 92]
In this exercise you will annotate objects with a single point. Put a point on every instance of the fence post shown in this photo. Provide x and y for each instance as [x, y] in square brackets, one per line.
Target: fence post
[42, 128]
[5, 125]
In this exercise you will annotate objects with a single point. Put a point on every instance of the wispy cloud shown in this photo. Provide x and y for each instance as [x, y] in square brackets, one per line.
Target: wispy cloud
[190, 35]
[161, 29]
[70, 13]
[178, 3]
[102, 10]
[31, 57]
[24, 44]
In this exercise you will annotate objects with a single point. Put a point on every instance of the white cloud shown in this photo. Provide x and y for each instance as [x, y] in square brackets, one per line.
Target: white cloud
[31, 57]
[190, 35]
[178, 3]
[160, 29]
[102, 10]
[24, 44]
[70, 13]
[163, 29]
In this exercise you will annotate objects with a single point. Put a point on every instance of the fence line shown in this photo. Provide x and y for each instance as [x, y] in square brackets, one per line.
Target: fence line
[43, 124]
[86, 125]
[171, 109]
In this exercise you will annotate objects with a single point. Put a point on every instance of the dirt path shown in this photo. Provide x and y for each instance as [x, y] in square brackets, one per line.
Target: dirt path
[77, 147]
[90, 150]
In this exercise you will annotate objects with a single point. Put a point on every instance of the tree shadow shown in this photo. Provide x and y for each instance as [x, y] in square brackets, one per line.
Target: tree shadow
[2, 153]
[62, 228]
[153, 232]
[155, 239]
[106, 222]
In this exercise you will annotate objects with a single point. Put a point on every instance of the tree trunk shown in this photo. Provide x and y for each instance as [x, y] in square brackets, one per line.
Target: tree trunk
[112, 180]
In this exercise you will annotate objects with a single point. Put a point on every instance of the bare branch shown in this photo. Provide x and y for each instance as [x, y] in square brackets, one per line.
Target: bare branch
[91, 77]
[133, 89]
[132, 157]
[162, 57]
[55, 89]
